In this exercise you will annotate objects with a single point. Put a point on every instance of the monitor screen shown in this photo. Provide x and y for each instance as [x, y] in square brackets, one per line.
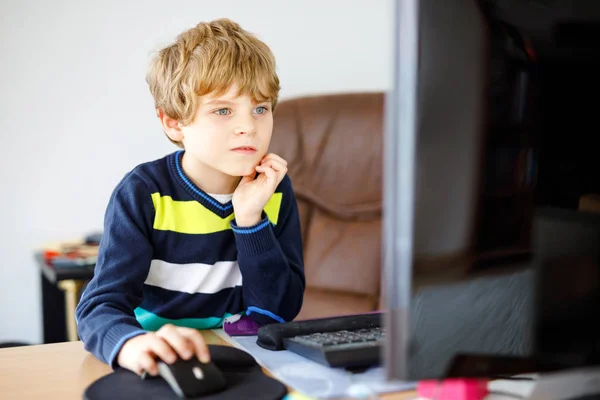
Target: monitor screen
[470, 281]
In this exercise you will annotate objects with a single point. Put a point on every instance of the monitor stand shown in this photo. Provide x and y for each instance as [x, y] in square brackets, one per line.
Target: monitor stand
[576, 384]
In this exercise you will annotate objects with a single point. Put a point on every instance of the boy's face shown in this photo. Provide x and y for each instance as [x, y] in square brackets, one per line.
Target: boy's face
[229, 134]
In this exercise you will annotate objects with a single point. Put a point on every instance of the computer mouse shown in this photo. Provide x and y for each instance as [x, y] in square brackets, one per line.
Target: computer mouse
[192, 378]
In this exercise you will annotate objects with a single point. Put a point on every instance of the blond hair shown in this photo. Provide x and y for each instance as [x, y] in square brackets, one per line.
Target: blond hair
[207, 58]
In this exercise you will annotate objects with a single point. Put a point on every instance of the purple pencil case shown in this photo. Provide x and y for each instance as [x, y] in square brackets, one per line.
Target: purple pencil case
[240, 325]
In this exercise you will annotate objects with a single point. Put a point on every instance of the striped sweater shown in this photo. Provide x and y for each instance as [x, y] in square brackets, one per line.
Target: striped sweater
[171, 253]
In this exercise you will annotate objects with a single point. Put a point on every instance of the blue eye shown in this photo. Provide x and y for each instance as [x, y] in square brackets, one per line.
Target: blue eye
[223, 111]
[261, 110]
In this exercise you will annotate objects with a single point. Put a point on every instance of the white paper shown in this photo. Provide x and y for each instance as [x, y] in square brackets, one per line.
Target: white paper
[313, 379]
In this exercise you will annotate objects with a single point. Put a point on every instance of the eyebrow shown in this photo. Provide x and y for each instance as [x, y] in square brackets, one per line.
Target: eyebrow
[219, 101]
[229, 102]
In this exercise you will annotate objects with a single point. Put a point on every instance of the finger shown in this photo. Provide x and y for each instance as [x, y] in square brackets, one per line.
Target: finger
[146, 363]
[266, 172]
[200, 347]
[261, 178]
[270, 174]
[179, 343]
[274, 157]
[279, 168]
[262, 168]
[276, 165]
[281, 174]
[162, 350]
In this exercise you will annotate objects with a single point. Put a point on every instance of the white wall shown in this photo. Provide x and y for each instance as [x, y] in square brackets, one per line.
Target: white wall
[76, 114]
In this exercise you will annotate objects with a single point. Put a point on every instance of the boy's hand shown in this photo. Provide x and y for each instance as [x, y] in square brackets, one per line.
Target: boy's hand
[169, 343]
[251, 195]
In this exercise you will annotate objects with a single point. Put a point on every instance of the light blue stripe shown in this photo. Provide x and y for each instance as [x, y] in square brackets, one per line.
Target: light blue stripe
[245, 231]
[152, 322]
[199, 193]
[269, 314]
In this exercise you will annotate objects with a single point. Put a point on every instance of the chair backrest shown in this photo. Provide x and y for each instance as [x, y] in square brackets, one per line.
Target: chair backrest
[333, 144]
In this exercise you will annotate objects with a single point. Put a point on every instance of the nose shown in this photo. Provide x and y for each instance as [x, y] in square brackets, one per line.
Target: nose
[245, 125]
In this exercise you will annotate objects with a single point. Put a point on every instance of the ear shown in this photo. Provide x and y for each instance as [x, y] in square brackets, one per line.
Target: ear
[170, 126]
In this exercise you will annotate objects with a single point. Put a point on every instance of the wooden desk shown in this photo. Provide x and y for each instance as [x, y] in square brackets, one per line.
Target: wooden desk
[62, 371]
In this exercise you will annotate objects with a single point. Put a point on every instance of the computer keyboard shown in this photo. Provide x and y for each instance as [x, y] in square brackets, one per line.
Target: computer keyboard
[343, 348]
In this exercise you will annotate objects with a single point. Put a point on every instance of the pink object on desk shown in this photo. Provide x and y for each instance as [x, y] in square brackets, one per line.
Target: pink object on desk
[453, 389]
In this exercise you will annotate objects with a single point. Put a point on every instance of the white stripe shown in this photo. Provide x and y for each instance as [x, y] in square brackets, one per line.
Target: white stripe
[194, 278]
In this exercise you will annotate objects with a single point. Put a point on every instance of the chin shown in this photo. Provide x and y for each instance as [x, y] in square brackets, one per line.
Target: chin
[240, 170]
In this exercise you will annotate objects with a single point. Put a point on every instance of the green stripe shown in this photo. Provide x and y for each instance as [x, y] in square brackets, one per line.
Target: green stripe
[152, 322]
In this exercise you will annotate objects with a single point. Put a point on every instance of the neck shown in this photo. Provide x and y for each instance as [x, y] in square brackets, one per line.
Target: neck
[207, 178]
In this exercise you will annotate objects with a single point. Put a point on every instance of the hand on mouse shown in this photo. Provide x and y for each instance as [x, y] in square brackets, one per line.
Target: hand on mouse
[251, 195]
[169, 343]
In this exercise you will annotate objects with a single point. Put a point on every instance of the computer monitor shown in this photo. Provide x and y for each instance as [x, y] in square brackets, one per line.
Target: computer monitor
[469, 253]
[567, 266]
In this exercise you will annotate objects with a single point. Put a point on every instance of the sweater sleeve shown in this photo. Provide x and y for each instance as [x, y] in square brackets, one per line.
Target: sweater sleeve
[105, 314]
[271, 262]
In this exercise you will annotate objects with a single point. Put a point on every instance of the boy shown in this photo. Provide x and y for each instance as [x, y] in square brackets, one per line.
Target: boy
[204, 233]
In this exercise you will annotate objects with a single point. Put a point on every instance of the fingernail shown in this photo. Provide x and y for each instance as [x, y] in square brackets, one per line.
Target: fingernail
[204, 358]
[187, 355]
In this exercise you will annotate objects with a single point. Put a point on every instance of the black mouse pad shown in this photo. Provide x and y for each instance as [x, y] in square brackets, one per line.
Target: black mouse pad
[245, 380]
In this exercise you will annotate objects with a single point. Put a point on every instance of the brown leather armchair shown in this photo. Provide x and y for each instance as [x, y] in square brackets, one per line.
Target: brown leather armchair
[333, 144]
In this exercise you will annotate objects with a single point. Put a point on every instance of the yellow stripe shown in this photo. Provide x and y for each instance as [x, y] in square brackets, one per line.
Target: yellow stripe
[273, 206]
[193, 218]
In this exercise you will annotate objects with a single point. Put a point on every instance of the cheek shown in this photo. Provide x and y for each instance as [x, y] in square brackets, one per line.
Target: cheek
[266, 128]
[206, 134]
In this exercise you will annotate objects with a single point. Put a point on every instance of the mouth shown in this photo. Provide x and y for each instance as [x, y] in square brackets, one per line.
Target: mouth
[244, 150]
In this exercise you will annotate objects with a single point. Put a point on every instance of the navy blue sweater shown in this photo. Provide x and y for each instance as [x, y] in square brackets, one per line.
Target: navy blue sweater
[170, 253]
